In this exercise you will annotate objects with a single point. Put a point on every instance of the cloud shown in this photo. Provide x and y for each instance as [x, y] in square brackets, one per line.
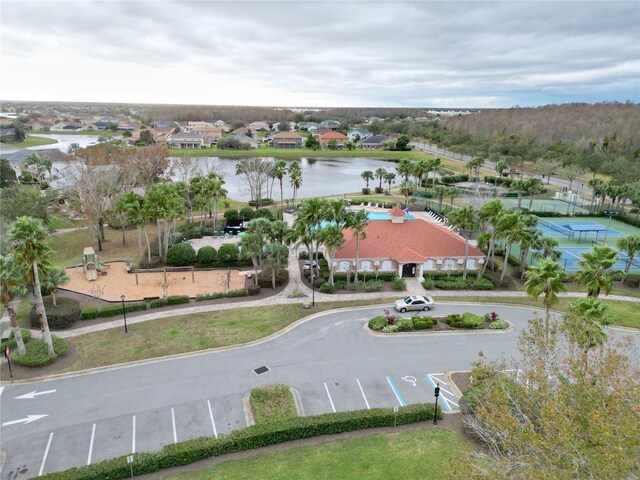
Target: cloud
[347, 53]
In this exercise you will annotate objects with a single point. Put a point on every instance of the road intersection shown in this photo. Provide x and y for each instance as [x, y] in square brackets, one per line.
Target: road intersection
[331, 360]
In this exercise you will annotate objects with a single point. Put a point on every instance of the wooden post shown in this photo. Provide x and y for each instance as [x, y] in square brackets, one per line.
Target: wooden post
[193, 276]
[136, 277]
[164, 270]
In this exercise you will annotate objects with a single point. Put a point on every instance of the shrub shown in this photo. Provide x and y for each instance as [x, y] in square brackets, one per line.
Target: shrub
[379, 190]
[472, 321]
[37, 354]
[428, 284]
[228, 254]
[390, 329]
[171, 300]
[366, 191]
[480, 284]
[454, 179]
[11, 342]
[155, 262]
[62, 316]
[318, 282]
[327, 288]
[399, 283]
[89, 314]
[207, 256]
[242, 292]
[404, 325]
[303, 255]
[453, 320]
[255, 436]
[423, 323]
[454, 283]
[209, 296]
[378, 323]
[391, 319]
[231, 214]
[373, 286]
[263, 201]
[253, 290]
[339, 284]
[246, 214]
[112, 310]
[181, 255]
[499, 324]
[264, 213]
[264, 280]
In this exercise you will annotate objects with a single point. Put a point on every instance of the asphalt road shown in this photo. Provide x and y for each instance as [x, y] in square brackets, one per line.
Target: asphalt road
[331, 360]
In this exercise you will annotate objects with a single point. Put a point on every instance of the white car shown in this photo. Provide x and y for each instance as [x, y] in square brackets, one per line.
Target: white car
[414, 302]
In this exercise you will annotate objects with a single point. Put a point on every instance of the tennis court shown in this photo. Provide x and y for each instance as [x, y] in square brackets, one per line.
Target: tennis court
[545, 205]
[571, 256]
[582, 231]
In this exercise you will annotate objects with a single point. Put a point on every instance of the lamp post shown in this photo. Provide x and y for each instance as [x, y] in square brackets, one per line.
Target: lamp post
[313, 287]
[435, 407]
[607, 230]
[124, 314]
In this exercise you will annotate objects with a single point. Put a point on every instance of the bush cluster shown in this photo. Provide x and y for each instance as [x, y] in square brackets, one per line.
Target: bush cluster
[63, 315]
[465, 320]
[210, 296]
[381, 323]
[255, 436]
[112, 310]
[37, 354]
[170, 300]
[499, 324]
[378, 323]
[458, 283]
[206, 256]
[454, 179]
[399, 283]
[327, 288]
[264, 280]
[242, 292]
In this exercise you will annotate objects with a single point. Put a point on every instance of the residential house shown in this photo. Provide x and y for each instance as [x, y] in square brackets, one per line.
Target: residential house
[40, 124]
[66, 127]
[292, 125]
[253, 143]
[241, 131]
[259, 126]
[409, 247]
[222, 125]
[7, 135]
[287, 140]
[374, 142]
[309, 126]
[331, 124]
[186, 140]
[358, 134]
[324, 138]
[160, 135]
[164, 124]
[374, 119]
[211, 133]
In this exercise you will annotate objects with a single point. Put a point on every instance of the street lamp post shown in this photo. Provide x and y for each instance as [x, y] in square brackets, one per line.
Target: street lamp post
[124, 314]
[313, 287]
[606, 233]
[435, 407]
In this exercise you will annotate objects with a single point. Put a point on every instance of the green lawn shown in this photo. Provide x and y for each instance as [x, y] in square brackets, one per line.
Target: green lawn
[57, 223]
[418, 454]
[624, 314]
[81, 132]
[32, 141]
[272, 402]
[190, 333]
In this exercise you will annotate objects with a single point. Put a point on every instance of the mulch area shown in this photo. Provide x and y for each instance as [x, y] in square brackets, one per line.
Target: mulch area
[28, 373]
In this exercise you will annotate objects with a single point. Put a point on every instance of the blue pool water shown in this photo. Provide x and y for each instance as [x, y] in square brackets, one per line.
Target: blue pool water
[384, 216]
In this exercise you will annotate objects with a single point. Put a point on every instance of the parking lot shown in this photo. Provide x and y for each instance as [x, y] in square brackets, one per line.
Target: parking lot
[149, 430]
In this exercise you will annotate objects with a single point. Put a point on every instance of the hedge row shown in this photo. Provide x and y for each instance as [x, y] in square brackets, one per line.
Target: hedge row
[112, 310]
[37, 353]
[215, 296]
[170, 300]
[454, 179]
[457, 283]
[255, 436]
[11, 342]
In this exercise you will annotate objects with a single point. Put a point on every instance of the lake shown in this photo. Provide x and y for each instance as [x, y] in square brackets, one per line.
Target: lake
[320, 176]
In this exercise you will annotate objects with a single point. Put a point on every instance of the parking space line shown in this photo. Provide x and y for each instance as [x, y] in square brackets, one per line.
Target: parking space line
[133, 437]
[173, 421]
[397, 392]
[93, 436]
[333, 407]
[363, 395]
[46, 452]
[213, 424]
[444, 400]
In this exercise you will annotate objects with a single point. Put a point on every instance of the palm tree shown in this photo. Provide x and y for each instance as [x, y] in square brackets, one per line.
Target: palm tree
[435, 168]
[358, 222]
[217, 191]
[132, 205]
[440, 191]
[596, 273]
[529, 238]
[585, 324]
[12, 286]
[452, 193]
[476, 164]
[332, 238]
[630, 245]
[421, 168]
[367, 176]
[380, 174]
[546, 278]
[510, 227]
[30, 243]
[598, 186]
[547, 247]
[279, 171]
[465, 219]
[275, 255]
[389, 178]
[519, 185]
[295, 178]
[55, 278]
[253, 244]
[490, 213]
[405, 168]
[501, 166]
[532, 186]
[406, 188]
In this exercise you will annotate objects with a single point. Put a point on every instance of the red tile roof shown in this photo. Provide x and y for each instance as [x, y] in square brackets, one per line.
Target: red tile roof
[331, 135]
[411, 241]
[396, 211]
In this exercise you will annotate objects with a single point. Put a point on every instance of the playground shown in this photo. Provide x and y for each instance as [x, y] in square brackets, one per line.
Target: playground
[113, 280]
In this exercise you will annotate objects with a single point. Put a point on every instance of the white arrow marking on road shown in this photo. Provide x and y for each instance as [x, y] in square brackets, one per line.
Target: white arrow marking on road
[34, 394]
[27, 419]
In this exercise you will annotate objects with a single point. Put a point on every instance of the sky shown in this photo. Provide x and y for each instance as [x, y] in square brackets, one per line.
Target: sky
[321, 53]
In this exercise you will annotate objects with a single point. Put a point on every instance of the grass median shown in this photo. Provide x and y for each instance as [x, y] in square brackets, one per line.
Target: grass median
[190, 333]
[412, 454]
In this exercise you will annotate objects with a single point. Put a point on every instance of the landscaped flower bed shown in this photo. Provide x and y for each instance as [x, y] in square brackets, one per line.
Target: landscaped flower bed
[389, 323]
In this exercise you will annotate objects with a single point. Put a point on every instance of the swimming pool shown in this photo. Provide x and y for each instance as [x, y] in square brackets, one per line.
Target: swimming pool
[384, 216]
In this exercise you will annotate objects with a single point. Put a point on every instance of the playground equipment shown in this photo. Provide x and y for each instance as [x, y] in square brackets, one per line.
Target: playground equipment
[90, 264]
